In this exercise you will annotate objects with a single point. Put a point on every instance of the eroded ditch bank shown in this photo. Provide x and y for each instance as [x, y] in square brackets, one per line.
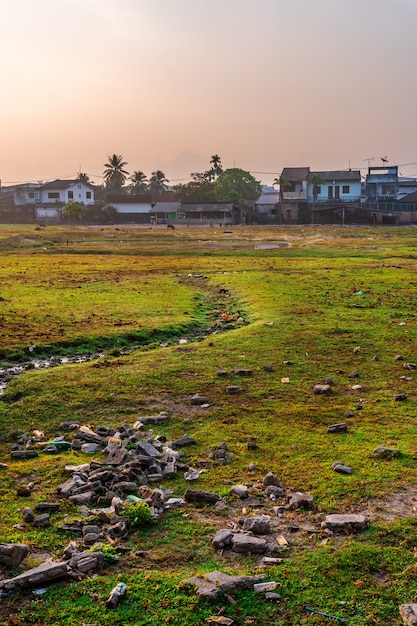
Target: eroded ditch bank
[217, 311]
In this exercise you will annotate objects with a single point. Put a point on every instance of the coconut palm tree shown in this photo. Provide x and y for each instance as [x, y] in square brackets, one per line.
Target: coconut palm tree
[139, 182]
[315, 180]
[216, 165]
[282, 182]
[114, 174]
[157, 182]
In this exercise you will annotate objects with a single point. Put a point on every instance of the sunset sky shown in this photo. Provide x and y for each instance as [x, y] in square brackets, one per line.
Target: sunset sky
[265, 84]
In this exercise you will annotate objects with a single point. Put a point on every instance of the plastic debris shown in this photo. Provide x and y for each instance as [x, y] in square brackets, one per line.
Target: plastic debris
[116, 594]
[339, 619]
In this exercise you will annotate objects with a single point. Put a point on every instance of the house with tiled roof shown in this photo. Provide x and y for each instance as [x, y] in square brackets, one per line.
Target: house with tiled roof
[55, 195]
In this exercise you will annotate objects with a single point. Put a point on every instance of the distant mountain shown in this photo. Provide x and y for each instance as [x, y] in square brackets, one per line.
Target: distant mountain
[183, 165]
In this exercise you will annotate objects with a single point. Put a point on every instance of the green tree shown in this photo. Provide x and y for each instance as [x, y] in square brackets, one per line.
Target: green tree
[83, 177]
[139, 182]
[282, 182]
[157, 182]
[110, 212]
[216, 168]
[199, 189]
[114, 173]
[315, 180]
[236, 185]
[74, 210]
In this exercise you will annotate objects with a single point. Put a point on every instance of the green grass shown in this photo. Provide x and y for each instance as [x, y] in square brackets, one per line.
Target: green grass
[300, 304]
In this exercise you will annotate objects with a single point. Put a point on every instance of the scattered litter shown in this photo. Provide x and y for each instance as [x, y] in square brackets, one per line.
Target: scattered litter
[40, 592]
[262, 587]
[193, 474]
[339, 619]
[116, 594]
[281, 541]
[285, 380]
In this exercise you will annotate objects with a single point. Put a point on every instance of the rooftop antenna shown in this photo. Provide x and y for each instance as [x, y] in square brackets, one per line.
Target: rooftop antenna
[369, 159]
[384, 159]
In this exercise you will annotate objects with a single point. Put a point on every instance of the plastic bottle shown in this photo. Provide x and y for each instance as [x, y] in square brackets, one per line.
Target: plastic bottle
[116, 594]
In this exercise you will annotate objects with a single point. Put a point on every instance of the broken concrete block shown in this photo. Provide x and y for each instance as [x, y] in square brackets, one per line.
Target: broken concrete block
[408, 613]
[244, 543]
[47, 571]
[12, 554]
[345, 523]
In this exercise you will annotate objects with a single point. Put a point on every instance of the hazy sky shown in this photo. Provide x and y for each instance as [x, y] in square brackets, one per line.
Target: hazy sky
[168, 83]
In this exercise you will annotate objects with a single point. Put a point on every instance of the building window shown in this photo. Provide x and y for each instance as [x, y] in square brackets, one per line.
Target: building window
[88, 195]
[346, 189]
[318, 189]
[53, 195]
[70, 195]
[330, 193]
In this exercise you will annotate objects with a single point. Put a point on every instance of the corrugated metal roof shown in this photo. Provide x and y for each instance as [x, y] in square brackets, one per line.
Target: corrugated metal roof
[293, 174]
[270, 197]
[340, 175]
[166, 207]
[64, 184]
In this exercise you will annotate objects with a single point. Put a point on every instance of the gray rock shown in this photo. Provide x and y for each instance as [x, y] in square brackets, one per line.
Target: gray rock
[386, 453]
[242, 372]
[400, 397]
[91, 538]
[90, 528]
[28, 515]
[408, 614]
[240, 491]
[147, 420]
[195, 495]
[198, 400]
[274, 492]
[211, 585]
[221, 373]
[271, 479]
[245, 543]
[47, 506]
[117, 456]
[85, 561]
[23, 455]
[147, 449]
[258, 524]
[82, 498]
[185, 440]
[12, 554]
[232, 389]
[345, 523]
[300, 500]
[118, 530]
[338, 428]
[341, 468]
[42, 521]
[322, 389]
[222, 539]
[47, 571]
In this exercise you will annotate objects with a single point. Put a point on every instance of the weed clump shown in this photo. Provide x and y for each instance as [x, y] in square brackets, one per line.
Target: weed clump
[138, 513]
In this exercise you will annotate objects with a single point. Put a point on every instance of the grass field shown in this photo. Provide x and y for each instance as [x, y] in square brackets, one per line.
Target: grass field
[309, 302]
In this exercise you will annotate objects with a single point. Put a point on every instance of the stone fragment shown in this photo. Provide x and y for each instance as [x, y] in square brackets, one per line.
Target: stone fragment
[197, 400]
[47, 571]
[23, 455]
[48, 506]
[400, 397]
[300, 500]
[341, 468]
[28, 515]
[85, 561]
[245, 543]
[271, 479]
[156, 420]
[42, 521]
[258, 524]
[242, 372]
[222, 373]
[271, 596]
[408, 614]
[232, 389]
[222, 539]
[147, 449]
[354, 374]
[12, 554]
[338, 428]
[263, 587]
[195, 495]
[386, 453]
[185, 440]
[212, 584]
[82, 498]
[322, 389]
[240, 491]
[117, 456]
[345, 523]
[220, 619]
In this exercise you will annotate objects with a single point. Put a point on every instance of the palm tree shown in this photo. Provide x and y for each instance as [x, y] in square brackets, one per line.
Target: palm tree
[282, 182]
[315, 180]
[216, 164]
[83, 178]
[157, 182]
[140, 182]
[114, 174]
